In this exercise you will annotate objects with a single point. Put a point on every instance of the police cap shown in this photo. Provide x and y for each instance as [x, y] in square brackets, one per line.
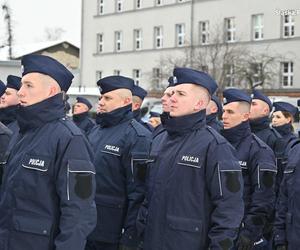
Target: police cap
[188, 75]
[154, 114]
[139, 91]
[217, 101]
[84, 101]
[285, 106]
[256, 94]
[13, 82]
[235, 95]
[48, 66]
[2, 88]
[111, 83]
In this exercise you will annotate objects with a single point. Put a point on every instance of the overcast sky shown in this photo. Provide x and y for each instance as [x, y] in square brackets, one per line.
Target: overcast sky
[30, 18]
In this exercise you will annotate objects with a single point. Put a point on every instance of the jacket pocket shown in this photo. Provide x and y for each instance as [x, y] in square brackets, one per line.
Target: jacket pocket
[31, 232]
[80, 177]
[186, 233]
[111, 213]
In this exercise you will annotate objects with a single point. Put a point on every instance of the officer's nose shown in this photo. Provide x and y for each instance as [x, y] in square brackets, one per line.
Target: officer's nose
[172, 98]
[20, 93]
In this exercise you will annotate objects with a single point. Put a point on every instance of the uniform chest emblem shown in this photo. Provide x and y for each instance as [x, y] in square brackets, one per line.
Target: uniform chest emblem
[243, 163]
[36, 162]
[112, 148]
[189, 158]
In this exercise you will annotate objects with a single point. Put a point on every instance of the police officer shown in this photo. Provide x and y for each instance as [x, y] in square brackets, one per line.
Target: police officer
[47, 195]
[81, 114]
[282, 120]
[5, 135]
[257, 161]
[121, 146]
[10, 103]
[138, 96]
[286, 226]
[213, 109]
[261, 106]
[2, 91]
[197, 195]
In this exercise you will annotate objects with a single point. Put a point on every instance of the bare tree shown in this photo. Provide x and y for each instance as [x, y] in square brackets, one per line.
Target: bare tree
[53, 34]
[230, 64]
[7, 18]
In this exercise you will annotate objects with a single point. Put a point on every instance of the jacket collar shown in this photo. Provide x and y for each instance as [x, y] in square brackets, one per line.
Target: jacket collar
[115, 117]
[237, 133]
[285, 129]
[38, 114]
[260, 123]
[80, 117]
[8, 114]
[185, 124]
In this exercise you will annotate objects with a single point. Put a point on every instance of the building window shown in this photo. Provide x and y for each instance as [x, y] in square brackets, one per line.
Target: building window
[230, 29]
[100, 6]
[287, 74]
[256, 69]
[117, 72]
[136, 76]
[98, 75]
[158, 2]
[258, 27]
[137, 39]
[229, 75]
[158, 37]
[204, 32]
[119, 5]
[99, 43]
[180, 34]
[118, 40]
[138, 4]
[288, 26]
[156, 78]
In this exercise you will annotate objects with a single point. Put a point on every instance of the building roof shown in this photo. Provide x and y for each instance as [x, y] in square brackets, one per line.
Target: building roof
[24, 49]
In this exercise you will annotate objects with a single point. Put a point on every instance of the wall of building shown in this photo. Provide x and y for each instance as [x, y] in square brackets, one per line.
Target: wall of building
[168, 15]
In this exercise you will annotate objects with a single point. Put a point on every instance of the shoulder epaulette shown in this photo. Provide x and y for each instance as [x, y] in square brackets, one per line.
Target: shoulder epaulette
[70, 126]
[277, 134]
[260, 142]
[139, 128]
[220, 139]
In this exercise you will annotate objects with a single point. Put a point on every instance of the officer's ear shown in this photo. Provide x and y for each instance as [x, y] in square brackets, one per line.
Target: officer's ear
[54, 89]
[246, 116]
[199, 105]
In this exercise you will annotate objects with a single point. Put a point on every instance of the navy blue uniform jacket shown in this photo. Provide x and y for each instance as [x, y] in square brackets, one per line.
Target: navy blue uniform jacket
[196, 192]
[47, 195]
[121, 146]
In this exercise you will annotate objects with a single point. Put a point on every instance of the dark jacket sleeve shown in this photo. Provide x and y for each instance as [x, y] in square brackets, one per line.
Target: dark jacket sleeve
[262, 171]
[135, 165]
[75, 185]
[283, 216]
[225, 184]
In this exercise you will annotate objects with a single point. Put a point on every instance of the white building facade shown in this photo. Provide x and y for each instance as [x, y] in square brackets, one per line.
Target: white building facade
[129, 37]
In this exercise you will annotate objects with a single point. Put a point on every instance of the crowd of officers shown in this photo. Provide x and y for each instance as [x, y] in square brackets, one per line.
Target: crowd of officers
[182, 181]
